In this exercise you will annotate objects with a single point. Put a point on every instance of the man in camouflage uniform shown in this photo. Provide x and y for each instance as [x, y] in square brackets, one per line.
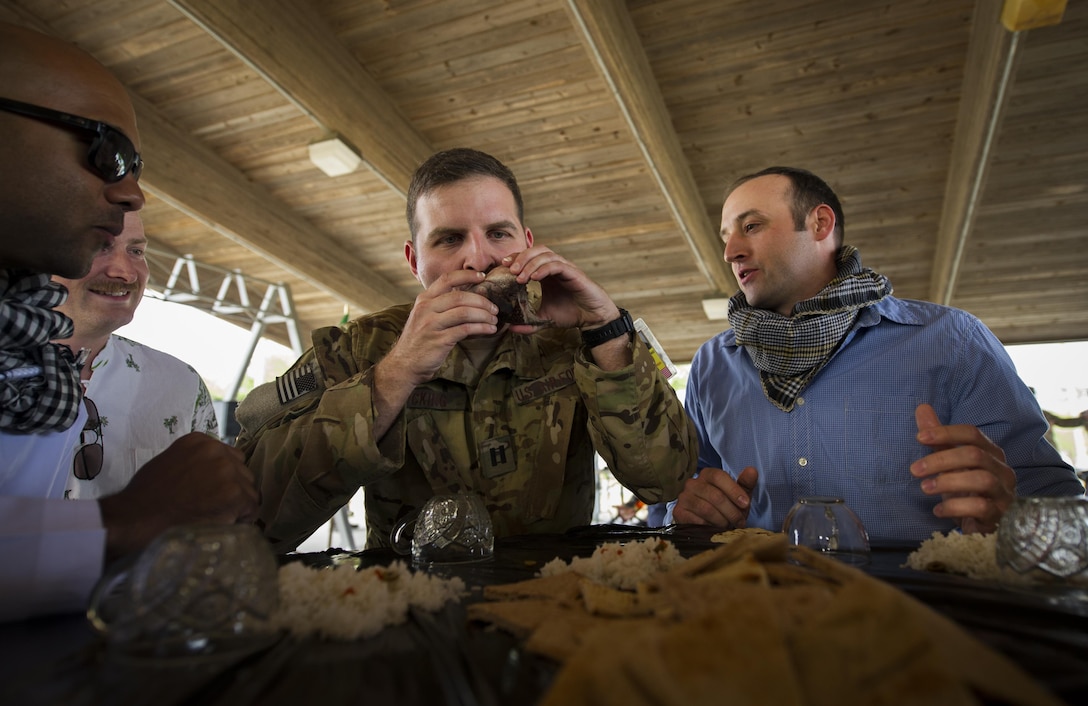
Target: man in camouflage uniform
[437, 397]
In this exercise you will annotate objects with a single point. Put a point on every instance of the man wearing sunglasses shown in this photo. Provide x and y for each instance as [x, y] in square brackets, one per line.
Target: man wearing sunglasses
[69, 163]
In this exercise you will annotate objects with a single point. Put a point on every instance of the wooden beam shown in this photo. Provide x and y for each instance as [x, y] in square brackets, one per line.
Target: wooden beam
[188, 175]
[290, 46]
[987, 78]
[614, 47]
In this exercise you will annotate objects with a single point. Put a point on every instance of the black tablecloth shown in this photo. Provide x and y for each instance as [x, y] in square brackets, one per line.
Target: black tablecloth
[440, 658]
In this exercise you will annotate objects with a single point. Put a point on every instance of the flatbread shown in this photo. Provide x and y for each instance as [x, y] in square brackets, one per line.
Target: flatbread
[604, 600]
[682, 663]
[730, 536]
[754, 621]
[564, 588]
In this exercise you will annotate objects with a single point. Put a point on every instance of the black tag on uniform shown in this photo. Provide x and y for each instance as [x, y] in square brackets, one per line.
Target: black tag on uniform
[498, 456]
[449, 399]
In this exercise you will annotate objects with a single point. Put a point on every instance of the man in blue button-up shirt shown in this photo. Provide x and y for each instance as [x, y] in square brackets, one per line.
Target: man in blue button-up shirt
[828, 385]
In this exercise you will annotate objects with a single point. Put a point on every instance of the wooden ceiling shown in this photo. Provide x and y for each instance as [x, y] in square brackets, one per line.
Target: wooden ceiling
[959, 148]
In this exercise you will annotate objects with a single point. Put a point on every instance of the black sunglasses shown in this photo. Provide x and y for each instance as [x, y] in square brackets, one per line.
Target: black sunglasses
[112, 155]
[87, 463]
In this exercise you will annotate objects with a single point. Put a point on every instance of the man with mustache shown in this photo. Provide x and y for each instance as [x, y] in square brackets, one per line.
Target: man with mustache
[146, 399]
[69, 165]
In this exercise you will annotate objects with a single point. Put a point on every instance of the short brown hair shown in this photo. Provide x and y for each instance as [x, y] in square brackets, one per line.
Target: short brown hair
[453, 165]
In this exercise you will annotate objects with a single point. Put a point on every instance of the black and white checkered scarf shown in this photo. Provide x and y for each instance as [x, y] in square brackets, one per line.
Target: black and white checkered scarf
[790, 350]
[39, 381]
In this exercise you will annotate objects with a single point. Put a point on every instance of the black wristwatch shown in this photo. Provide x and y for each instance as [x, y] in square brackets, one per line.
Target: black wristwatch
[613, 329]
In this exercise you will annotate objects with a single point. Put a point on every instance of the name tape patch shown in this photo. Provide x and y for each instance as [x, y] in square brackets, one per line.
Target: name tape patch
[544, 386]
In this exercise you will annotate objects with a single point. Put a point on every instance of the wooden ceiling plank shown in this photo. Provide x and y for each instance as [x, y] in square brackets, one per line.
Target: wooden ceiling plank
[290, 45]
[865, 94]
[191, 177]
[612, 44]
[989, 71]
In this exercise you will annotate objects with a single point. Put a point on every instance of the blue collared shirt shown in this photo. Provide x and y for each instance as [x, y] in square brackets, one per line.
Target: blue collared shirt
[852, 432]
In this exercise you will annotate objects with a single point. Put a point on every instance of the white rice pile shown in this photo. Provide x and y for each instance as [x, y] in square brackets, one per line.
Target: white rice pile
[973, 555]
[620, 565]
[341, 603]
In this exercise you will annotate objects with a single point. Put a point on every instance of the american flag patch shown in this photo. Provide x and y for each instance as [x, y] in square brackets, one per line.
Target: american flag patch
[297, 382]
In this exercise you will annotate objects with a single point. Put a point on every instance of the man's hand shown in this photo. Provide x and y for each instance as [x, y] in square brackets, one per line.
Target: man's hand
[570, 299]
[444, 314]
[966, 469]
[196, 479]
[714, 498]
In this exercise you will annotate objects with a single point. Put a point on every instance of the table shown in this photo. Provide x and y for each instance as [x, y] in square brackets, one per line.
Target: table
[439, 658]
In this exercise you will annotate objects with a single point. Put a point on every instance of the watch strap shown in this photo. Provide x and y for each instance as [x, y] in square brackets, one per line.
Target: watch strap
[613, 329]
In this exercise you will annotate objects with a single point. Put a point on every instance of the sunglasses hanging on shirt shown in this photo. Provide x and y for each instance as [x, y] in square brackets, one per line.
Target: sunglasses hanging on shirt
[87, 463]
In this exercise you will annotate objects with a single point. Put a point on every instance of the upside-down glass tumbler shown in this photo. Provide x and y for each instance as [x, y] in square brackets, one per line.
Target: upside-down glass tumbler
[827, 525]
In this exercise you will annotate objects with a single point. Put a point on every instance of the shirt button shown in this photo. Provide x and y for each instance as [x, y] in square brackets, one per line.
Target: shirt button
[801, 400]
[802, 461]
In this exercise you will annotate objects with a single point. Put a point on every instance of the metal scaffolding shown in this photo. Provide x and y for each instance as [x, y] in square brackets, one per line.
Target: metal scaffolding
[184, 280]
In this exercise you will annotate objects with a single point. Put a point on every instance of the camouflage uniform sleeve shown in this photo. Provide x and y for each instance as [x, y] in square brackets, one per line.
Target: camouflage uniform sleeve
[311, 455]
[639, 426]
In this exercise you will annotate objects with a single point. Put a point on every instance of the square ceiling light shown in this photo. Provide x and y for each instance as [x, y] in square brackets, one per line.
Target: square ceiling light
[334, 157]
